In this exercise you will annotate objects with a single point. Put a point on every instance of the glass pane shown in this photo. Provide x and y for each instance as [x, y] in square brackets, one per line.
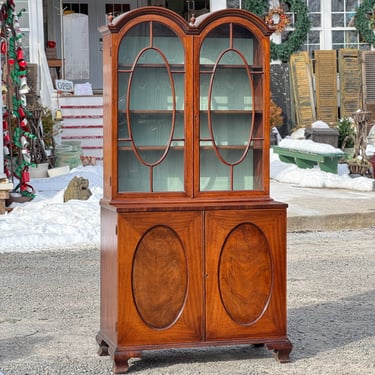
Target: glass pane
[165, 40]
[151, 136]
[315, 20]
[151, 89]
[352, 5]
[337, 37]
[132, 175]
[314, 37]
[337, 5]
[133, 42]
[226, 103]
[350, 19]
[338, 20]
[351, 39]
[364, 47]
[169, 175]
[231, 94]
[214, 45]
[216, 176]
[314, 5]
[233, 3]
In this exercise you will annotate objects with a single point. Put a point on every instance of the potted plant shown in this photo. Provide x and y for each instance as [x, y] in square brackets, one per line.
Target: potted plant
[42, 126]
[346, 129]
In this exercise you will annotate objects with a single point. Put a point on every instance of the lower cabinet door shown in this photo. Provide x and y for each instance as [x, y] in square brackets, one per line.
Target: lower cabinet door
[160, 297]
[245, 274]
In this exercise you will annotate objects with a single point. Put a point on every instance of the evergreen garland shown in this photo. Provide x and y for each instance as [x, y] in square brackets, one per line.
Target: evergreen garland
[362, 22]
[296, 39]
[260, 8]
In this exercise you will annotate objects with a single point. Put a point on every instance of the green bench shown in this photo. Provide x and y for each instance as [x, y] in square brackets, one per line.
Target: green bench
[305, 159]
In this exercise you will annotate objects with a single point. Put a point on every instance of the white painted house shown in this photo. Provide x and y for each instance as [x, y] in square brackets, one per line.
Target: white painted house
[73, 27]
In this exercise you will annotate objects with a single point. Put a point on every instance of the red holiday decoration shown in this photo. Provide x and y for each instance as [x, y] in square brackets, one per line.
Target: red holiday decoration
[21, 112]
[6, 138]
[23, 124]
[22, 64]
[25, 176]
[19, 54]
[4, 47]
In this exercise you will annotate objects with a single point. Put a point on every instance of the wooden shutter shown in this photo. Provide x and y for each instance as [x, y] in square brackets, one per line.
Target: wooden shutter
[326, 85]
[368, 76]
[350, 81]
[302, 87]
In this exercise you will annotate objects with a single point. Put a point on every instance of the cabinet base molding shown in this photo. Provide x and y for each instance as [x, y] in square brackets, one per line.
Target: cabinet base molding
[120, 356]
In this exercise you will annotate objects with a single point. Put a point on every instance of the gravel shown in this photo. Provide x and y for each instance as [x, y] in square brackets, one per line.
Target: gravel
[49, 314]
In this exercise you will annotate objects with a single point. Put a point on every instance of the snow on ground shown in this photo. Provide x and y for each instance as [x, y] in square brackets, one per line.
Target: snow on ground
[48, 223]
[315, 178]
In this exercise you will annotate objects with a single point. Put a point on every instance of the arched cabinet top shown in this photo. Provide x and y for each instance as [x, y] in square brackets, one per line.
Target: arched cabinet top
[231, 15]
[194, 26]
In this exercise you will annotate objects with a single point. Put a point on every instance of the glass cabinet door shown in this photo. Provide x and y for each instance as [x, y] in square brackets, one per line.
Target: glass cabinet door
[150, 124]
[231, 135]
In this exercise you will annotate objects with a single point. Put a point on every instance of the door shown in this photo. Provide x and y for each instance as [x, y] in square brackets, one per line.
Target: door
[159, 271]
[245, 274]
[101, 11]
[97, 11]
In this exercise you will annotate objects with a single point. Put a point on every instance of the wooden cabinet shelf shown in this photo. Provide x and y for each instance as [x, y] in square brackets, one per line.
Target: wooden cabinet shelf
[193, 248]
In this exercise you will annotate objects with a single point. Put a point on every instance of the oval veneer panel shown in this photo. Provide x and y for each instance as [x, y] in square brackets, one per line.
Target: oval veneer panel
[159, 277]
[245, 274]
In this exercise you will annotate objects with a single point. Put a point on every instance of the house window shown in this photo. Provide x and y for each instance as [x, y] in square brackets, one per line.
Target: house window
[344, 34]
[332, 24]
[116, 9]
[76, 8]
[313, 41]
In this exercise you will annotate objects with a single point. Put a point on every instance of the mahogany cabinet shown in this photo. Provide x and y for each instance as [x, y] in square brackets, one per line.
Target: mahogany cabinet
[193, 248]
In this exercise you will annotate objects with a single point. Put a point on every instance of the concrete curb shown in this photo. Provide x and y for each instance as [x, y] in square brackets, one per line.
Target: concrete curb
[331, 222]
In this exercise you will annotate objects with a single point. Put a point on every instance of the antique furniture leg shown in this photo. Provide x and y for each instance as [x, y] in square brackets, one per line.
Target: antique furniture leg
[121, 361]
[103, 346]
[281, 349]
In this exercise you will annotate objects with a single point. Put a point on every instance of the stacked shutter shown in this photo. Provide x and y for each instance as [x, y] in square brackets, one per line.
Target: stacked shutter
[350, 81]
[368, 75]
[302, 87]
[326, 85]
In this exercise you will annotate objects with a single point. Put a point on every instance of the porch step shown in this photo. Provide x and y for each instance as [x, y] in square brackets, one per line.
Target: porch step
[83, 121]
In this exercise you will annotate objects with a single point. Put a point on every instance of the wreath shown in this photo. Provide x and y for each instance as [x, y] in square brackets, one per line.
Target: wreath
[282, 19]
[296, 38]
[363, 23]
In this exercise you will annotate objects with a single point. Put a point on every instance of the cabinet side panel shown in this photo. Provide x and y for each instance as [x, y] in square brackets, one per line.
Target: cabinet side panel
[107, 117]
[108, 279]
